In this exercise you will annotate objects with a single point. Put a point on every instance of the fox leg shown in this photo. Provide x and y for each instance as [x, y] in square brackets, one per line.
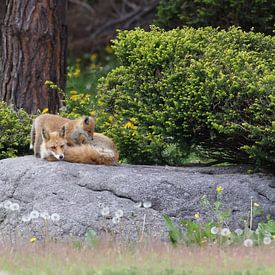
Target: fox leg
[32, 137]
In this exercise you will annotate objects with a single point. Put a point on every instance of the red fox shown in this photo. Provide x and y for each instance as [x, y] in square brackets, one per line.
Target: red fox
[77, 131]
[102, 150]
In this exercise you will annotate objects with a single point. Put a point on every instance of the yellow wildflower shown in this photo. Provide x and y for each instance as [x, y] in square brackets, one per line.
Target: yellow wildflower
[94, 66]
[130, 125]
[92, 113]
[46, 110]
[110, 118]
[256, 204]
[33, 240]
[76, 73]
[73, 92]
[48, 82]
[197, 215]
[273, 236]
[94, 57]
[219, 189]
[108, 49]
[74, 97]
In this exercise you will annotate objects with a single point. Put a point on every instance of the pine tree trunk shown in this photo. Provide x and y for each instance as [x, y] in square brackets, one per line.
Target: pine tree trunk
[34, 42]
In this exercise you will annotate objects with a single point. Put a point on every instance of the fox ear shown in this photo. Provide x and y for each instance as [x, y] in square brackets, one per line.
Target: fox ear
[45, 134]
[86, 120]
[62, 131]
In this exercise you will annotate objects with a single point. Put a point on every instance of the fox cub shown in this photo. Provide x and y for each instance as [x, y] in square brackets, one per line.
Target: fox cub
[77, 131]
[73, 142]
[101, 151]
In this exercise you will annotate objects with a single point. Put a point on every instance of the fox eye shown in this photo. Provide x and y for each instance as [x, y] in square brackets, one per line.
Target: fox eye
[53, 147]
[62, 146]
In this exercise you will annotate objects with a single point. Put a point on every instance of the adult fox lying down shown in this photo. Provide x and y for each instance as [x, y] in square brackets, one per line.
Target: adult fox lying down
[54, 148]
[85, 148]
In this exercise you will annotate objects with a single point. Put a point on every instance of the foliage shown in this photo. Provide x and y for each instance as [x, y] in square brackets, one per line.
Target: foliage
[15, 132]
[201, 13]
[187, 87]
[215, 229]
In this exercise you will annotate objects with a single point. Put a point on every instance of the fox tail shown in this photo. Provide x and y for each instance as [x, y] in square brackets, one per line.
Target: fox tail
[89, 154]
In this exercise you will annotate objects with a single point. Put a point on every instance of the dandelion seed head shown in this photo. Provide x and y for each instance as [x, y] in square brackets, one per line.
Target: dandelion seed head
[7, 204]
[119, 213]
[147, 204]
[239, 231]
[26, 218]
[267, 240]
[45, 215]
[14, 207]
[248, 243]
[138, 205]
[55, 217]
[115, 220]
[105, 211]
[225, 232]
[214, 230]
[34, 215]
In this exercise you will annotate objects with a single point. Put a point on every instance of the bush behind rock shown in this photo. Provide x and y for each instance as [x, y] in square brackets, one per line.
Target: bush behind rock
[15, 132]
[188, 87]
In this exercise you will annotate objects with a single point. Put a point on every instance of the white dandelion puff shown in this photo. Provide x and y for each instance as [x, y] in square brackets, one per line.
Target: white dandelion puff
[147, 204]
[14, 207]
[225, 232]
[45, 215]
[214, 230]
[34, 215]
[105, 211]
[115, 220]
[7, 205]
[26, 218]
[239, 231]
[267, 240]
[55, 217]
[248, 243]
[119, 213]
[138, 205]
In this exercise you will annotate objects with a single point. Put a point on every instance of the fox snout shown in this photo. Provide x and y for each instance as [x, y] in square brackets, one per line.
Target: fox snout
[61, 157]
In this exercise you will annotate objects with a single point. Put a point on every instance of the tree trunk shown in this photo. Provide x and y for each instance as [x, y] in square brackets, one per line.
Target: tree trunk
[2, 16]
[34, 42]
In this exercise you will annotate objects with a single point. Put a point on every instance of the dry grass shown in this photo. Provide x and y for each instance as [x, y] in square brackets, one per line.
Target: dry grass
[108, 257]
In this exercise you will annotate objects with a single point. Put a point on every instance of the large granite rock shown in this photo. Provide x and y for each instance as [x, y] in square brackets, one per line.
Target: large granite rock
[79, 192]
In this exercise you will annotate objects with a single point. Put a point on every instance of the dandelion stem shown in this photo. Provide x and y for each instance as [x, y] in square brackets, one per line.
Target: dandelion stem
[251, 213]
[143, 227]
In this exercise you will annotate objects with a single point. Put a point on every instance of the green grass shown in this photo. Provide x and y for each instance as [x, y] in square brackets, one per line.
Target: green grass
[109, 257]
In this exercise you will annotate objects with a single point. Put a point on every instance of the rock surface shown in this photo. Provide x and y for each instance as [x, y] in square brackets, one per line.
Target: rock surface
[78, 193]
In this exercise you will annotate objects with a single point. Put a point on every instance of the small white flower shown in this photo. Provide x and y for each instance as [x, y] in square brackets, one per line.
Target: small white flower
[147, 204]
[138, 205]
[7, 205]
[55, 217]
[105, 211]
[267, 240]
[119, 213]
[225, 232]
[239, 231]
[116, 220]
[26, 218]
[34, 215]
[14, 207]
[214, 230]
[248, 243]
[45, 215]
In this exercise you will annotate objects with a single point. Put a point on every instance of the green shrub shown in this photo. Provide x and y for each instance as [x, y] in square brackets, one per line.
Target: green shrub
[201, 13]
[208, 88]
[15, 132]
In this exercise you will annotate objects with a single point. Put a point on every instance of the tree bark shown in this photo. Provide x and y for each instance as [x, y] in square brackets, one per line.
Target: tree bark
[34, 45]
